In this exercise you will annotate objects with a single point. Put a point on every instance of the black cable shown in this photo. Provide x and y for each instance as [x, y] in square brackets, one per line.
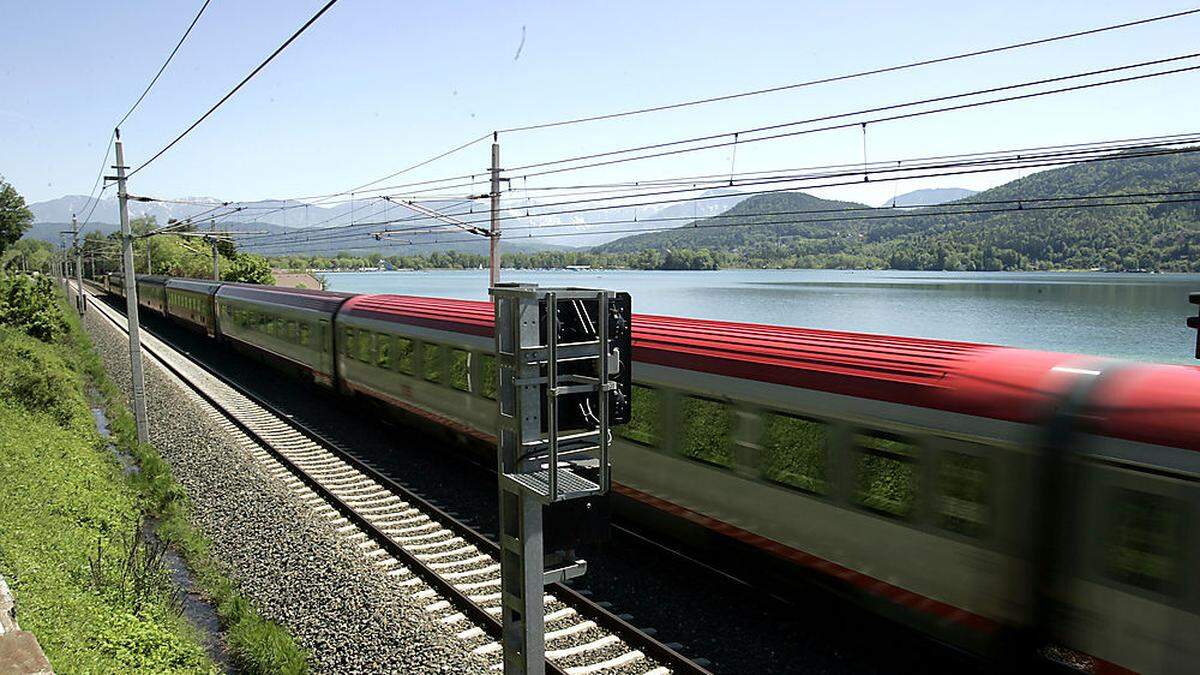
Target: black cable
[888, 166]
[1054, 159]
[164, 65]
[895, 106]
[889, 216]
[233, 91]
[932, 211]
[839, 78]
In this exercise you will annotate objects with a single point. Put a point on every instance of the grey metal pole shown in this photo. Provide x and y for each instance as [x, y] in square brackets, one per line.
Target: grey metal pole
[149, 268]
[79, 301]
[216, 260]
[131, 304]
[494, 240]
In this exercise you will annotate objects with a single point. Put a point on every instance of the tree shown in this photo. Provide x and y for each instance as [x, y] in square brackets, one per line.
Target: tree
[15, 218]
[249, 268]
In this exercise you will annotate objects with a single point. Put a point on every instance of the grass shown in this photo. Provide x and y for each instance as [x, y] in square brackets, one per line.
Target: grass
[255, 644]
[61, 497]
[98, 597]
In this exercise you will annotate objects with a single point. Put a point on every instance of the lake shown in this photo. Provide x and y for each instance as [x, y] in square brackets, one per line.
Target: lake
[1132, 316]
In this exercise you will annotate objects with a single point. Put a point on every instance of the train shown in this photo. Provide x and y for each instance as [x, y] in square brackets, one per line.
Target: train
[988, 496]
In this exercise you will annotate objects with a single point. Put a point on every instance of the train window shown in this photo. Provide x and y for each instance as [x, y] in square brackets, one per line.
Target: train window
[305, 335]
[962, 493]
[490, 377]
[646, 416]
[1145, 539]
[404, 355]
[432, 357]
[366, 346]
[707, 431]
[348, 348]
[886, 476]
[794, 451]
[460, 370]
[383, 351]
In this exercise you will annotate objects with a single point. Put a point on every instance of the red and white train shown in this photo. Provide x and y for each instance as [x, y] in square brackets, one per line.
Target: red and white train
[977, 492]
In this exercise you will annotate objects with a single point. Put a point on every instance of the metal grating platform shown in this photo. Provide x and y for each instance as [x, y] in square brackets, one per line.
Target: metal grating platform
[569, 482]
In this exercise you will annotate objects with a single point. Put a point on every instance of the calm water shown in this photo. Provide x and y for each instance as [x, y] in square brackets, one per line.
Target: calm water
[1134, 316]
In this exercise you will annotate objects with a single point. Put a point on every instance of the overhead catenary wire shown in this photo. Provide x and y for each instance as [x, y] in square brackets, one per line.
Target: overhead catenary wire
[855, 171]
[163, 67]
[1075, 152]
[891, 215]
[417, 230]
[413, 230]
[1028, 43]
[859, 74]
[741, 133]
[237, 87]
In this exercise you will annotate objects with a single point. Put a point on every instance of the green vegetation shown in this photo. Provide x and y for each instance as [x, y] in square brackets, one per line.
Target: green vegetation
[175, 255]
[1153, 237]
[15, 218]
[64, 504]
[460, 377]
[432, 356]
[88, 584]
[707, 431]
[887, 476]
[645, 416]
[794, 452]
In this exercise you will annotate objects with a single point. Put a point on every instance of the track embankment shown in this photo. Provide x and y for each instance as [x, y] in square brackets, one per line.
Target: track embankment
[288, 559]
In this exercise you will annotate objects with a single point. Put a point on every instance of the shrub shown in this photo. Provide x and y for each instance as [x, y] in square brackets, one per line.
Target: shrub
[38, 379]
[29, 303]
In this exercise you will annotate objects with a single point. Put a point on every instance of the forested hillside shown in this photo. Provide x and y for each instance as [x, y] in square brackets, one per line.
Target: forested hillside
[1162, 237]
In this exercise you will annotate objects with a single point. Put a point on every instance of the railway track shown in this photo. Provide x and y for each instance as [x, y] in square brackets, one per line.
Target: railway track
[451, 568]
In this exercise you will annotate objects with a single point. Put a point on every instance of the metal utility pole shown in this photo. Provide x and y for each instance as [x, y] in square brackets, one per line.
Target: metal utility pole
[494, 231]
[79, 301]
[546, 454]
[149, 269]
[131, 304]
[216, 259]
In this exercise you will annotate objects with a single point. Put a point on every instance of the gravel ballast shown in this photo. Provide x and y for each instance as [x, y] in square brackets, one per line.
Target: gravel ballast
[290, 562]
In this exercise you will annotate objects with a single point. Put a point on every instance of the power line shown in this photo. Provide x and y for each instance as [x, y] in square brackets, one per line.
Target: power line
[977, 92]
[1019, 161]
[233, 91]
[892, 215]
[164, 65]
[849, 76]
[302, 238]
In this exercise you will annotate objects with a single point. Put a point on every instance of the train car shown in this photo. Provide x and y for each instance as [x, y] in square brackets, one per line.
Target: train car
[960, 488]
[116, 283]
[903, 471]
[190, 301]
[427, 356]
[152, 292]
[291, 327]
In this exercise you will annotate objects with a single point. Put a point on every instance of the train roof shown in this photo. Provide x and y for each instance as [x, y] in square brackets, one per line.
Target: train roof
[1145, 402]
[152, 279]
[461, 316]
[206, 286]
[304, 298]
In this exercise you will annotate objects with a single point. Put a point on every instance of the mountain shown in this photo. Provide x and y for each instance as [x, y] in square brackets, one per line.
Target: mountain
[340, 230]
[1162, 235]
[930, 197]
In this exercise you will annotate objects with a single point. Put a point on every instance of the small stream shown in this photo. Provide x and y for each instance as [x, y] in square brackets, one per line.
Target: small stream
[196, 608]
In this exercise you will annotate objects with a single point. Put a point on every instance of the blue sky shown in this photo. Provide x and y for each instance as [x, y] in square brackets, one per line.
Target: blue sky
[377, 85]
